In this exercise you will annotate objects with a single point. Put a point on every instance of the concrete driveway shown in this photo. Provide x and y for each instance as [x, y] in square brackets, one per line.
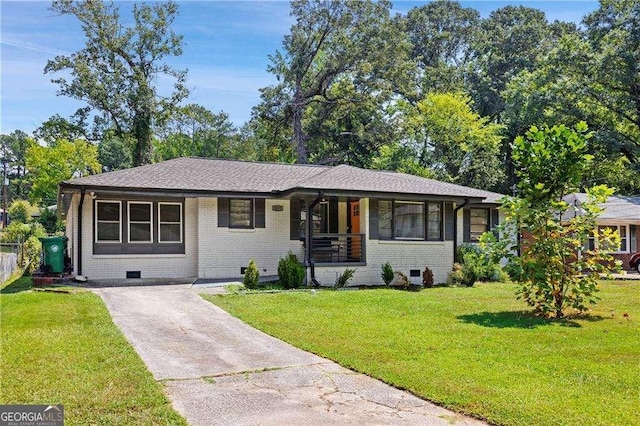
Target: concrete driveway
[218, 370]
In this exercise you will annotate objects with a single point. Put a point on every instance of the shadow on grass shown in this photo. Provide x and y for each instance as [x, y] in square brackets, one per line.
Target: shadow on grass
[522, 319]
[17, 286]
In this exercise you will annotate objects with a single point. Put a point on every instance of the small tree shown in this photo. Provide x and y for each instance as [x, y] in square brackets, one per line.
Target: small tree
[556, 271]
[21, 211]
[290, 272]
[251, 275]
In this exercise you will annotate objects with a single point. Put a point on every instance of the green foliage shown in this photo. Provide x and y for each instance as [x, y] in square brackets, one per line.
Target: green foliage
[387, 273]
[454, 141]
[114, 153]
[290, 272]
[194, 131]
[251, 275]
[30, 254]
[116, 72]
[479, 264]
[459, 277]
[343, 279]
[21, 211]
[50, 221]
[18, 232]
[13, 148]
[556, 273]
[48, 166]
[427, 277]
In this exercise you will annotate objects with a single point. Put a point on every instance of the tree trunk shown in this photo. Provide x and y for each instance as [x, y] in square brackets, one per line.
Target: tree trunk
[142, 135]
[299, 138]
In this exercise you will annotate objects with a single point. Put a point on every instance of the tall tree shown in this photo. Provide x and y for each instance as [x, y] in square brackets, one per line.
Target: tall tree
[117, 71]
[13, 148]
[454, 141]
[441, 35]
[330, 39]
[48, 166]
[195, 131]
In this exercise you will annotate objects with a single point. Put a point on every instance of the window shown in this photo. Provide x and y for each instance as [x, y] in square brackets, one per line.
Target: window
[170, 222]
[240, 213]
[108, 219]
[320, 216]
[479, 223]
[385, 219]
[140, 222]
[407, 220]
[434, 221]
[622, 231]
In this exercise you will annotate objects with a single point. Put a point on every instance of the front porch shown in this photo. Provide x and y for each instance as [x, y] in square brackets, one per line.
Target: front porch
[333, 248]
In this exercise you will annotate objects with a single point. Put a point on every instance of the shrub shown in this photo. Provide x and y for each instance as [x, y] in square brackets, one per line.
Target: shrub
[461, 276]
[17, 232]
[427, 278]
[479, 264]
[21, 211]
[49, 220]
[343, 279]
[251, 275]
[290, 272]
[30, 256]
[387, 273]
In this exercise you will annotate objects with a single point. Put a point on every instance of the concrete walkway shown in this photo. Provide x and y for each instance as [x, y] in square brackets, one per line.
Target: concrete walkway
[218, 370]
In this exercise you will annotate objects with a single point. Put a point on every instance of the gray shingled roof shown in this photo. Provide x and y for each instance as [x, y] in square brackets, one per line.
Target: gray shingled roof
[211, 175]
[616, 208]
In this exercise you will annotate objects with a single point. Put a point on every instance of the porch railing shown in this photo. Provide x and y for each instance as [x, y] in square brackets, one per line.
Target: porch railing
[338, 248]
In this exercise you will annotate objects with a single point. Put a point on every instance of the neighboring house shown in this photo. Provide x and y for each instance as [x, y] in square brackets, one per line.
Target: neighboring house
[622, 214]
[206, 218]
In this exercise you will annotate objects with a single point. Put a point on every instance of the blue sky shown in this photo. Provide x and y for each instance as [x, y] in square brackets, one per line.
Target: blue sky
[226, 51]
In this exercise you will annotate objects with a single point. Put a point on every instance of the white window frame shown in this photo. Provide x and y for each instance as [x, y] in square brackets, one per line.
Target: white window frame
[160, 223]
[627, 238]
[109, 221]
[150, 222]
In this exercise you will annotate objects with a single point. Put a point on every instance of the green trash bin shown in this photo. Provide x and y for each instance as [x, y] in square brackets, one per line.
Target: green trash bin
[53, 249]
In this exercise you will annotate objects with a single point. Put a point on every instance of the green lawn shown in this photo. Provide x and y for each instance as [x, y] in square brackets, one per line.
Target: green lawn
[64, 349]
[474, 350]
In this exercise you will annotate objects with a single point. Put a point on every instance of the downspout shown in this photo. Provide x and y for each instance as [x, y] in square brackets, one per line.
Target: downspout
[455, 228]
[309, 238]
[79, 237]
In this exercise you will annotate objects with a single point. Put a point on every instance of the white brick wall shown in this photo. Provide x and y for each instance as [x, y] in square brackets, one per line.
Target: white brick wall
[213, 252]
[223, 251]
[150, 266]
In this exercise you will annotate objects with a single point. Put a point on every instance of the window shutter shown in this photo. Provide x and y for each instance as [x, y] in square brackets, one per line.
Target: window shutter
[333, 216]
[373, 219]
[223, 212]
[294, 219]
[633, 238]
[467, 225]
[259, 213]
[448, 222]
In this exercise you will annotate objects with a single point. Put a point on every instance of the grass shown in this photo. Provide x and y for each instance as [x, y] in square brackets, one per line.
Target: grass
[474, 350]
[64, 349]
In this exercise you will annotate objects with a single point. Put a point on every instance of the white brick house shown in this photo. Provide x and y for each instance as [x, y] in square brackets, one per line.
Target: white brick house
[206, 218]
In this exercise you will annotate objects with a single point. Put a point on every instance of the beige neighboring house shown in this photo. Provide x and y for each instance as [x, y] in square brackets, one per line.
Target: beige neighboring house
[621, 214]
[206, 218]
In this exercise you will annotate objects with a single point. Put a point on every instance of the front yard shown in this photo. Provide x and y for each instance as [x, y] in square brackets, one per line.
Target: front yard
[64, 349]
[473, 350]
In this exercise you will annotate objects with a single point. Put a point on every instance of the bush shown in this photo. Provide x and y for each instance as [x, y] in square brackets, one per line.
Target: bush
[30, 256]
[387, 273]
[290, 272]
[427, 278]
[343, 279]
[461, 276]
[49, 220]
[251, 275]
[21, 211]
[17, 232]
[479, 265]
